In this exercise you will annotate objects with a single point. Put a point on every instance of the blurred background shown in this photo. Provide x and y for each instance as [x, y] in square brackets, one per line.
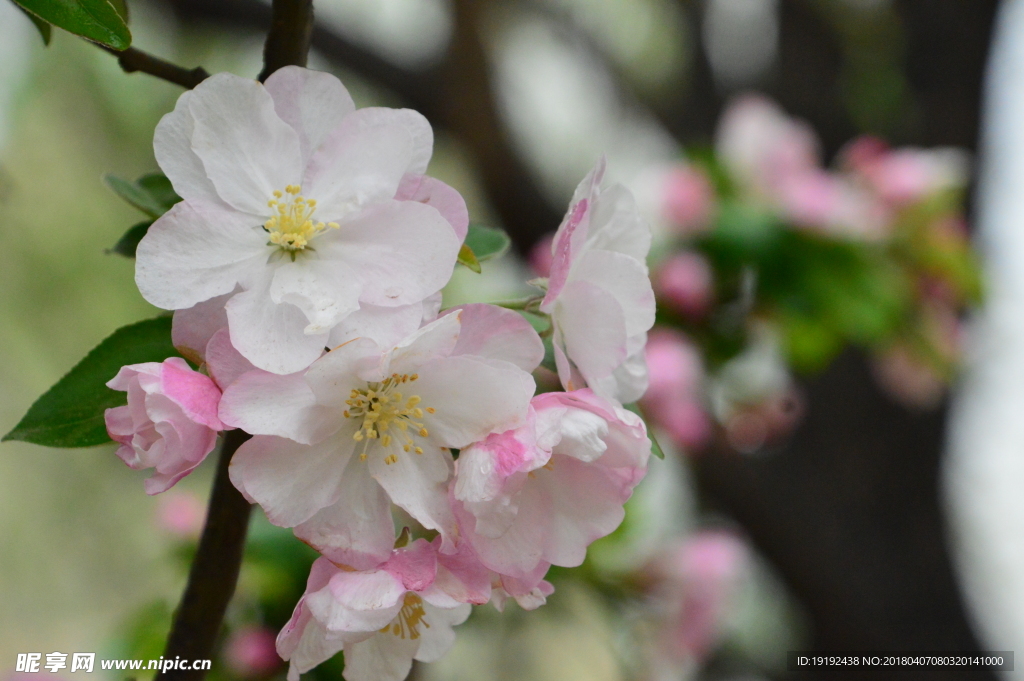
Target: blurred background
[818, 292]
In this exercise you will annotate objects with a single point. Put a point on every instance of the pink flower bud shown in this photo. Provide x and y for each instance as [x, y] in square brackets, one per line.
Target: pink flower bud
[170, 422]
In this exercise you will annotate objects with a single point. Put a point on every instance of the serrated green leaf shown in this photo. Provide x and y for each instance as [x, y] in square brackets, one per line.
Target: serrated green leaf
[127, 244]
[656, 449]
[45, 30]
[468, 258]
[70, 414]
[487, 242]
[97, 20]
[152, 194]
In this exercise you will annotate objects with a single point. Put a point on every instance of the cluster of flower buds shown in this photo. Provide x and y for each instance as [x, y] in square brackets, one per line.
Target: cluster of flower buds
[304, 265]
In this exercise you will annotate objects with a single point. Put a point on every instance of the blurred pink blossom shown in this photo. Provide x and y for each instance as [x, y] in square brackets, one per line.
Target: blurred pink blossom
[181, 514]
[696, 581]
[541, 257]
[688, 199]
[905, 175]
[251, 652]
[673, 398]
[685, 283]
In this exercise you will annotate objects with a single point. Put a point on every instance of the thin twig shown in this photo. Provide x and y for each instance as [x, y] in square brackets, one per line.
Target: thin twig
[291, 29]
[132, 60]
[211, 581]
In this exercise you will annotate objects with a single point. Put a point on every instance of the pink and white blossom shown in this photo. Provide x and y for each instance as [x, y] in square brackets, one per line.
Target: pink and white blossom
[382, 618]
[364, 427]
[170, 422]
[539, 494]
[299, 208]
[599, 295]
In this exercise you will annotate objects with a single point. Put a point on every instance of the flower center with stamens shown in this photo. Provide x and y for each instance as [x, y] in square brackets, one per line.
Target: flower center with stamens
[387, 415]
[409, 619]
[292, 227]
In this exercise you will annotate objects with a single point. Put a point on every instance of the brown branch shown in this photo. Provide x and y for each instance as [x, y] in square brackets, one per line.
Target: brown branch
[291, 29]
[132, 60]
[211, 581]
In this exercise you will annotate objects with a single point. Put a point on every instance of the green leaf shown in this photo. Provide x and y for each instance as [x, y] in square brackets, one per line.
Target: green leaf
[656, 449]
[152, 194]
[127, 244]
[45, 30]
[70, 414]
[468, 258]
[97, 20]
[487, 242]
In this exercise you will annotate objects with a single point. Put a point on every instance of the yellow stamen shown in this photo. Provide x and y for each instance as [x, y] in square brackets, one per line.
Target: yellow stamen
[382, 410]
[292, 226]
[409, 619]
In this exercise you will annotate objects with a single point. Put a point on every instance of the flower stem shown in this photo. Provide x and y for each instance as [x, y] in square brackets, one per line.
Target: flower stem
[132, 60]
[214, 572]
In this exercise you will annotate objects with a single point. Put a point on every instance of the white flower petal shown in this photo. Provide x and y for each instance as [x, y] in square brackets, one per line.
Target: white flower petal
[326, 292]
[247, 150]
[496, 333]
[262, 403]
[384, 325]
[472, 397]
[312, 102]
[194, 253]
[270, 335]
[401, 251]
[357, 530]
[436, 340]
[349, 366]
[628, 382]
[616, 224]
[363, 159]
[438, 639]
[193, 327]
[172, 146]
[291, 481]
[626, 279]
[418, 483]
[383, 657]
[593, 328]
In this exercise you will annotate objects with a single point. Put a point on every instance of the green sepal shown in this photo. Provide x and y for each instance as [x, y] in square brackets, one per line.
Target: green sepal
[70, 414]
[468, 258]
[487, 242]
